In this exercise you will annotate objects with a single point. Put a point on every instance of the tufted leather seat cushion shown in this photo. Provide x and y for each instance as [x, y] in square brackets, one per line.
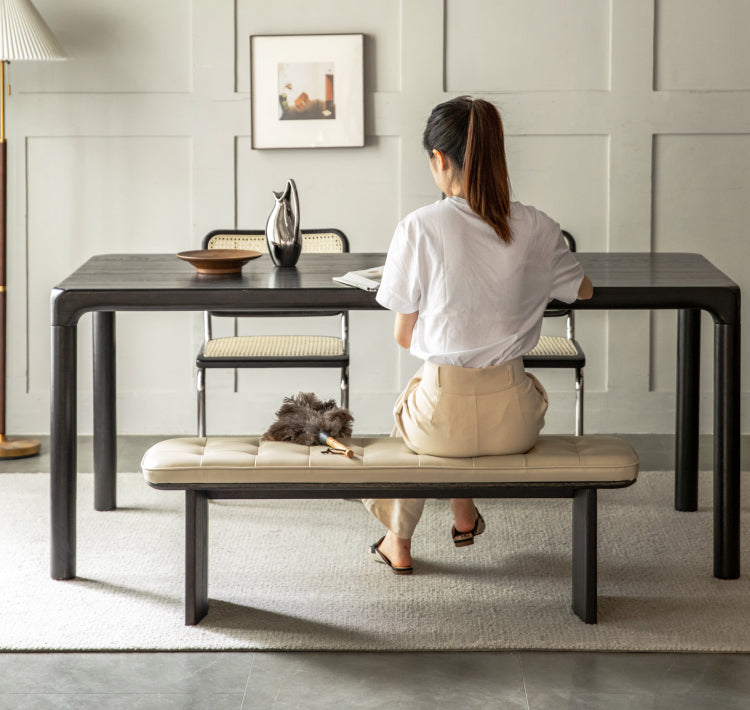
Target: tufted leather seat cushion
[554, 459]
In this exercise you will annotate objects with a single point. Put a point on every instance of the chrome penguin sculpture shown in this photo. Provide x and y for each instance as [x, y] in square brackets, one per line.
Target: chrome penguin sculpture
[282, 228]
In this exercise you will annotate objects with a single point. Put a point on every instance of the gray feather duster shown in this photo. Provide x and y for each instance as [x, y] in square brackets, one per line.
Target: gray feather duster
[301, 419]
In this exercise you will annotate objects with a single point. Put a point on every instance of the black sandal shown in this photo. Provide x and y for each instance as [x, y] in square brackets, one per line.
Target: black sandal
[462, 539]
[378, 556]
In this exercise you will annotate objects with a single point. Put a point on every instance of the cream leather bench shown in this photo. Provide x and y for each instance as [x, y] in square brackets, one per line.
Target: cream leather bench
[383, 467]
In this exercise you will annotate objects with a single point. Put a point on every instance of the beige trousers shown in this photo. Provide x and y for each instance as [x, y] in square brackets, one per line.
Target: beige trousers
[462, 411]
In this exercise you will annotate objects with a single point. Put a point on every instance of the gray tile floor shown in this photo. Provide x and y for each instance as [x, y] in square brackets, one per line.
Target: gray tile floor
[417, 681]
[339, 681]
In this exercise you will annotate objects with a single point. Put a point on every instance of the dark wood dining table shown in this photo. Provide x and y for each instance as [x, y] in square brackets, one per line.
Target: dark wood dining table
[105, 284]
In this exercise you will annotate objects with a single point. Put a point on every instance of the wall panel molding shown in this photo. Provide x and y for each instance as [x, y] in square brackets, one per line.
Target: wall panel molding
[620, 125]
[698, 45]
[139, 46]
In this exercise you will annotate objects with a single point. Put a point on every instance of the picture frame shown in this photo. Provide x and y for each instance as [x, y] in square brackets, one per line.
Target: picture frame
[307, 91]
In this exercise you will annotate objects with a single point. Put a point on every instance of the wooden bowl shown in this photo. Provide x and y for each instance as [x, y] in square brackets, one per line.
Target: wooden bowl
[218, 261]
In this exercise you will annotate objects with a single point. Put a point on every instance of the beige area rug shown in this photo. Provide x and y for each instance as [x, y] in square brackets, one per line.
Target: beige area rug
[293, 575]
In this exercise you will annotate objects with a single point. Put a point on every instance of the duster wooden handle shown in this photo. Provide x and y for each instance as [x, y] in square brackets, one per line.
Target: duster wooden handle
[327, 440]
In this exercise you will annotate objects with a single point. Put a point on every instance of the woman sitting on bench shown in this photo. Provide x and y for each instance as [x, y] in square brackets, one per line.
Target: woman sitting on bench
[469, 278]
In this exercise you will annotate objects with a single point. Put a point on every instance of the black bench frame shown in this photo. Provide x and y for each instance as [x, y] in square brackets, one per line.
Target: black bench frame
[584, 548]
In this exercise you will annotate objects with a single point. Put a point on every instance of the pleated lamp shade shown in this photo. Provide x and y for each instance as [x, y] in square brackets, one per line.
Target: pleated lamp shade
[24, 34]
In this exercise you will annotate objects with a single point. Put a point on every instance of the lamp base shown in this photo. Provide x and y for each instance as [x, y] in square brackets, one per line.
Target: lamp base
[16, 447]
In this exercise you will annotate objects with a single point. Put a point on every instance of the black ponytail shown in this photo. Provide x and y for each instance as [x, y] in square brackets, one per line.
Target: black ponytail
[470, 133]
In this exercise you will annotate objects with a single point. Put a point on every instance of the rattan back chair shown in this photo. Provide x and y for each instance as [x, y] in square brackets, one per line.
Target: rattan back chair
[272, 351]
[562, 352]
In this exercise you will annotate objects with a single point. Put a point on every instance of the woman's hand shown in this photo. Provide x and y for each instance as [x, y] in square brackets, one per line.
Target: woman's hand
[404, 328]
[586, 289]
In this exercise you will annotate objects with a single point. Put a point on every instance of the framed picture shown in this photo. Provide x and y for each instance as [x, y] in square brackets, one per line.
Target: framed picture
[306, 91]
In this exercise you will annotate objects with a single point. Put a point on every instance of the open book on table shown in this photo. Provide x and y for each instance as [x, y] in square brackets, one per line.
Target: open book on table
[366, 279]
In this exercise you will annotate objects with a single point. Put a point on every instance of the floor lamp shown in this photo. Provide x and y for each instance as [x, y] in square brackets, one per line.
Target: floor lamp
[23, 35]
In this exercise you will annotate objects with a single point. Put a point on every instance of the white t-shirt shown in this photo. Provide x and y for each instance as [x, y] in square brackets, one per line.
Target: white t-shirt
[480, 300]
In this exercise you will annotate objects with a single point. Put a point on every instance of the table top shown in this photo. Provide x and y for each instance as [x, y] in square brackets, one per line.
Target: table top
[164, 282]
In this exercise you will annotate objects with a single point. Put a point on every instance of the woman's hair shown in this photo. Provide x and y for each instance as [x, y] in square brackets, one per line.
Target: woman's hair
[470, 133]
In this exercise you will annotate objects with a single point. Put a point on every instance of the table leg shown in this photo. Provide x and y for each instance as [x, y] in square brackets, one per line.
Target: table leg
[726, 451]
[63, 432]
[105, 412]
[688, 409]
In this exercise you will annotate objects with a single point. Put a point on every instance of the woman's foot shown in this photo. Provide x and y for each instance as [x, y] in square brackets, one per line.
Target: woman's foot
[397, 550]
[465, 514]
[468, 522]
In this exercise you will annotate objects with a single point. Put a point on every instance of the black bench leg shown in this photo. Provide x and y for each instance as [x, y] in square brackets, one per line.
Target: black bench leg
[584, 554]
[196, 556]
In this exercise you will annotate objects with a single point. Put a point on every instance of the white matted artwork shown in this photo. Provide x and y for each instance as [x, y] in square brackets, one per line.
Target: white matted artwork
[306, 91]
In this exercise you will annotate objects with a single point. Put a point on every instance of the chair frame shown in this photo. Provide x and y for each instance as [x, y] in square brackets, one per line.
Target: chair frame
[324, 361]
[575, 362]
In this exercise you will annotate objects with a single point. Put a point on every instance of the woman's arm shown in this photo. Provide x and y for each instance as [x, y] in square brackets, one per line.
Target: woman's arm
[404, 327]
[586, 289]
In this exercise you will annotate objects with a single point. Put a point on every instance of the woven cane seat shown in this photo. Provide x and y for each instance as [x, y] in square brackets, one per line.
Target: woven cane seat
[274, 346]
[554, 351]
[553, 346]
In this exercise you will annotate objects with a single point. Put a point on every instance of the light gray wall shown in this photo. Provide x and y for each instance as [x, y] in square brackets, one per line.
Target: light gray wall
[627, 120]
